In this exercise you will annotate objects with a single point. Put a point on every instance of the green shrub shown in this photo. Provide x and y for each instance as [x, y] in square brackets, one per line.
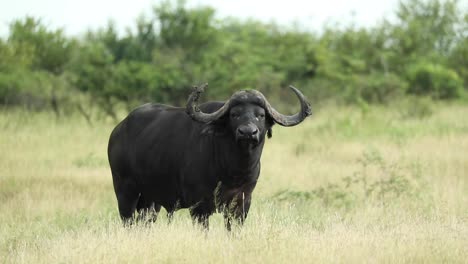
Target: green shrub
[417, 107]
[374, 88]
[377, 181]
[22, 87]
[434, 80]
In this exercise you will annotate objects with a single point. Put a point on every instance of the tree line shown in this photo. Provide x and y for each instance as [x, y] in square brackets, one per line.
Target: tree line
[422, 50]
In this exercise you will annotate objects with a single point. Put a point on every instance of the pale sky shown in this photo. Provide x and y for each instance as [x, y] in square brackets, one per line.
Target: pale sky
[78, 15]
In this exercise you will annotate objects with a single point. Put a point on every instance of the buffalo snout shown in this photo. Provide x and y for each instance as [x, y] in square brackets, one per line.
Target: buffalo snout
[248, 131]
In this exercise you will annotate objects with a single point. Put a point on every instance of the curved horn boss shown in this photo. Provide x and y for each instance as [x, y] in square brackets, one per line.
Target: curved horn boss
[284, 120]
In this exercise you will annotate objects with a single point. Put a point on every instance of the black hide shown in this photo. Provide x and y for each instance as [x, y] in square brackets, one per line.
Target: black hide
[160, 156]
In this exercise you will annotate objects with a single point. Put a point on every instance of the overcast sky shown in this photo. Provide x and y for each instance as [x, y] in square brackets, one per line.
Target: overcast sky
[78, 15]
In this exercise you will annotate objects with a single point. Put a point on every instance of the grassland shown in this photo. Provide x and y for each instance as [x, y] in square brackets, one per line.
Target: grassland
[379, 184]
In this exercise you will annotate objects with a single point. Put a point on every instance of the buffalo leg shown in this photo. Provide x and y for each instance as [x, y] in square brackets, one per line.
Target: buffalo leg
[147, 210]
[236, 210]
[170, 215]
[170, 209]
[200, 215]
[127, 198]
[127, 205]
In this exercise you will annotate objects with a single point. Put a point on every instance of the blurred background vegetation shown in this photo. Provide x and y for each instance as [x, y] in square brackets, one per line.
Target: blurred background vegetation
[422, 52]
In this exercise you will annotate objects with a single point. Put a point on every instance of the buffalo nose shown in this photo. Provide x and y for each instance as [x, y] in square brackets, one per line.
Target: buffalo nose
[247, 130]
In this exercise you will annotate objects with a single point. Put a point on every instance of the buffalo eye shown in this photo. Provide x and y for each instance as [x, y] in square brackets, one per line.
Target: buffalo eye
[260, 116]
[235, 115]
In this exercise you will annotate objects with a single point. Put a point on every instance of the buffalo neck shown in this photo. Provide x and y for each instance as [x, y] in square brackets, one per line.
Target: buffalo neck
[237, 162]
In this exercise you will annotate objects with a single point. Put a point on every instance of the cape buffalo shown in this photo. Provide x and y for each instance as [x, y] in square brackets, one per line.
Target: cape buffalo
[203, 157]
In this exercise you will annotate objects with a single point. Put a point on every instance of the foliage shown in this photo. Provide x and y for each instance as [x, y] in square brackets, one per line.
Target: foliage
[417, 107]
[375, 88]
[423, 51]
[47, 50]
[32, 66]
[434, 80]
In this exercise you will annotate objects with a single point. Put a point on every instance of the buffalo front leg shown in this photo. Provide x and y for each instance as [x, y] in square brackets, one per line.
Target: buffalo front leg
[236, 210]
[201, 214]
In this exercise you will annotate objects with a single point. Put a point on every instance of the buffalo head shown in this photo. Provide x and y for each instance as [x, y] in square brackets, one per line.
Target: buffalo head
[249, 114]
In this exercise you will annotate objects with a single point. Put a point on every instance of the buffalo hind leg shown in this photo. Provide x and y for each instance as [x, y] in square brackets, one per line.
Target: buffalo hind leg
[147, 210]
[127, 202]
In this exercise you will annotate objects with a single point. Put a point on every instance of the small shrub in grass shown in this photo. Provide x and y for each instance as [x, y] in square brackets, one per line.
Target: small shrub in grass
[417, 108]
[376, 181]
[375, 88]
[434, 80]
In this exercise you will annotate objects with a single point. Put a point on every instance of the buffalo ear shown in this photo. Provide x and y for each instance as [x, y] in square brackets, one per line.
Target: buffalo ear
[270, 124]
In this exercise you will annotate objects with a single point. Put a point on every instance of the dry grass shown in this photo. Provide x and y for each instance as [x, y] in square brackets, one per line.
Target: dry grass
[57, 203]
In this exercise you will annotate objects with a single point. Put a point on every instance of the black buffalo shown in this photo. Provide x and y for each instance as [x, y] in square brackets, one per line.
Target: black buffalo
[205, 158]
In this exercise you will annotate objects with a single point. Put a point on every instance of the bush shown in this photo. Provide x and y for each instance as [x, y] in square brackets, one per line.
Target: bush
[375, 88]
[377, 181]
[22, 87]
[434, 80]
[417, 108]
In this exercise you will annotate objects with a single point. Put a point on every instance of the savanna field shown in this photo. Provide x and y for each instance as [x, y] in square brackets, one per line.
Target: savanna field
[350, 185]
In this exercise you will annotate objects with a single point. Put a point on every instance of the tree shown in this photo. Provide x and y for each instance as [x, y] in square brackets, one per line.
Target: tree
[50, 50]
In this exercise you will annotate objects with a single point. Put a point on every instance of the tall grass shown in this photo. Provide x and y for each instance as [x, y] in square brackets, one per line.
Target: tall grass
[379, 184]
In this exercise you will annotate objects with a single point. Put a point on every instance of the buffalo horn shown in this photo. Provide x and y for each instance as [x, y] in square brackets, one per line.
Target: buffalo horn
[291, 120]
[194, 111]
